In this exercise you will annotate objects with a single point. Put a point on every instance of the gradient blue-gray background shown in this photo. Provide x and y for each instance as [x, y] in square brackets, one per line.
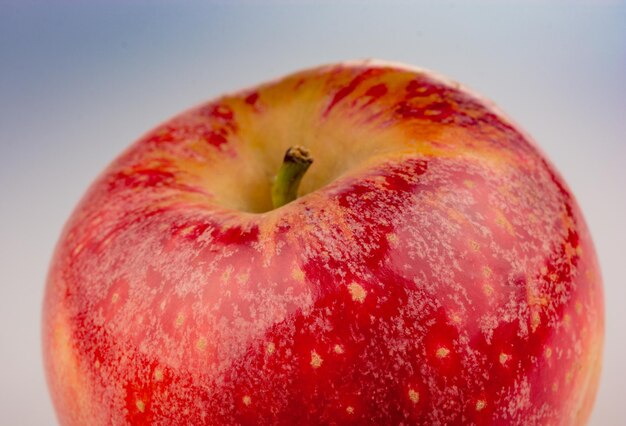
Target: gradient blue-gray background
[80, 81]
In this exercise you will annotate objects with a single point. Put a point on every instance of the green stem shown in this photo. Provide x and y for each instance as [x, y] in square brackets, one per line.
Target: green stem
[285, 187]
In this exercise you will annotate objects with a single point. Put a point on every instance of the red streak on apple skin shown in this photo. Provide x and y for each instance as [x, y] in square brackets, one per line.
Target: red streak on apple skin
[215, 139]
[377, 91]
[346, 90]
[437, 111]
[252, 98]
[222, 112]
[453, 284]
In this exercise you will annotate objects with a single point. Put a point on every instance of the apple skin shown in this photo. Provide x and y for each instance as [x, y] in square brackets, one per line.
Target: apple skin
[435, 268]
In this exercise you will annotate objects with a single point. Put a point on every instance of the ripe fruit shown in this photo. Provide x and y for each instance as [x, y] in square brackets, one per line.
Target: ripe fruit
[435, 269]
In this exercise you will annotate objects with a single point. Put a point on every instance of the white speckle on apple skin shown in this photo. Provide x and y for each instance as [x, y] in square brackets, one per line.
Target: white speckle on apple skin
[357, 292]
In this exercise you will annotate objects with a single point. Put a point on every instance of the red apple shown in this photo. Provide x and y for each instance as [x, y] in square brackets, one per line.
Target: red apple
[434, 269]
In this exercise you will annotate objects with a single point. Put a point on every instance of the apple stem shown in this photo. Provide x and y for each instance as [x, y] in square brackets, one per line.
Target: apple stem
[285, 186]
